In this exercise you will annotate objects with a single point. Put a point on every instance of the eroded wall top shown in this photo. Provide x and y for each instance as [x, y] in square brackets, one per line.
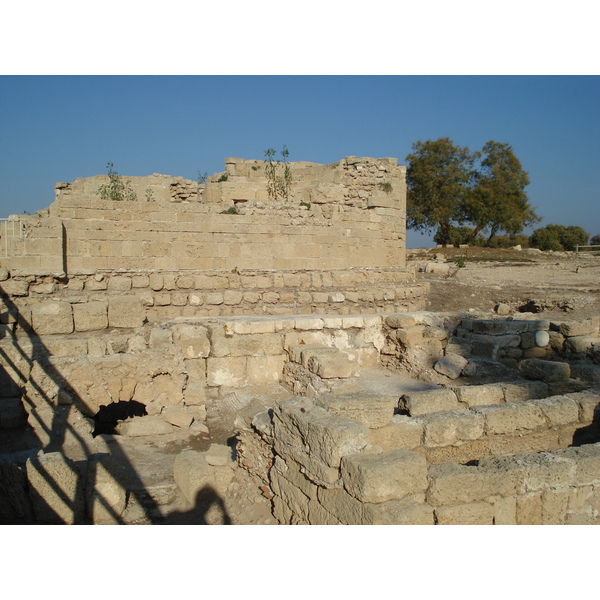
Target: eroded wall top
[343, 215]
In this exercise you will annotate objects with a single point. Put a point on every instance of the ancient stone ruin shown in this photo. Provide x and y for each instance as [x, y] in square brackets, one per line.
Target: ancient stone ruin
[284, 339]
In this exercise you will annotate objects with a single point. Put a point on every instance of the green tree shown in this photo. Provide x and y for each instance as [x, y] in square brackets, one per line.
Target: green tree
[595, 241]
[558, 237]
[498, 201]
[438, 178]
[450, 187]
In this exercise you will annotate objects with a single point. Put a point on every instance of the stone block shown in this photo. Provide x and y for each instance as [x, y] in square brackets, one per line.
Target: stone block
[511, 418]
[160, 337]
[147, 425]
[474, 513]
[197, 480]
[581, 344]
[265, 369]
[219, 455]
[91, 316]
[402, 432]
[12, 413]
[15, 505]
[394, 512]
[545, 370]
[309, 323]
[451, 483]
[451, 365]
[106, 490]
[429, 401]
[125, 311]
[587, 373]
[559, 410]
[516, 392]
[399, 321]
[51, 317]
[587, 327]
[374, 410]
[254, 326]
[545, 470]
[452, 427]
[119, 284]
[387, 476]
[479, 395]
[329, 437]
[336, 365]
[227, 371]
[56, 489]
[178, 416]
[411, 337]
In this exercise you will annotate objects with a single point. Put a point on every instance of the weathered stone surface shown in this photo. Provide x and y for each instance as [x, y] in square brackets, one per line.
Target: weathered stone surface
[451, 365]
[452, 427]
[147, 425]
[527, 390]
[474, 513]
[511, 418]
[218, 455]
[106, 489]
[329, 437]
[374, 410]
[587, 373]
[545, 370]
[196, 478]
[428, 401]
[479, 395]
[581, 344]
[386, 476]
[51, 317]
[403, 432]
[125, 311]
[15, 505]
[398, 513]
[586, 327]
[90, 316]
[56, 489]
[332, 365]
[12, 413]
[177, 416]
[452, 484]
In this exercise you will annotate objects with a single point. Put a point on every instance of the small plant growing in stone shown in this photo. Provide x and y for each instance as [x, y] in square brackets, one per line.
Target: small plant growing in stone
[306, 205]
[232, 210]
[278, 185]
[149, 195]
[386, 187]
[116, 189]
[223, 177]
[460, 262]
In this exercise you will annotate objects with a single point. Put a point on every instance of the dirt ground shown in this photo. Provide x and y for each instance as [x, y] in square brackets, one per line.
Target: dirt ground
[560, 285]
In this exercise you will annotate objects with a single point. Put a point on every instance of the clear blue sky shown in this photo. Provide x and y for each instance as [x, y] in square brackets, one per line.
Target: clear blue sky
[58, 128]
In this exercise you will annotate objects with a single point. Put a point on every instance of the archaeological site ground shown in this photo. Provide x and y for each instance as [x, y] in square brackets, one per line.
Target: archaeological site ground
[244, 351]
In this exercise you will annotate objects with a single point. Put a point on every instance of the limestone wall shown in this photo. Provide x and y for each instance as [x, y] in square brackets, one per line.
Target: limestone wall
[324, 467]
[349, 214]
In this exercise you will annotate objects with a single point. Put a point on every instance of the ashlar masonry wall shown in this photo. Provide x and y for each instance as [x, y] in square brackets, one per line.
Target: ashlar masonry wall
[349, 214]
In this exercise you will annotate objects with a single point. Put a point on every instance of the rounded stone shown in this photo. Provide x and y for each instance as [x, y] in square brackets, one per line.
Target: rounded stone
[542, 338]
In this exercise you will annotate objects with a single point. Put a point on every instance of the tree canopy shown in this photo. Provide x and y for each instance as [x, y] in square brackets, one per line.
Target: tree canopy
[450, 186]
[559, 237]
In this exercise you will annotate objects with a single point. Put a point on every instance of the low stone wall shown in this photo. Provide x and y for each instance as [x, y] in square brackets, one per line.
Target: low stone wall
[324, 467]
[128, 299]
